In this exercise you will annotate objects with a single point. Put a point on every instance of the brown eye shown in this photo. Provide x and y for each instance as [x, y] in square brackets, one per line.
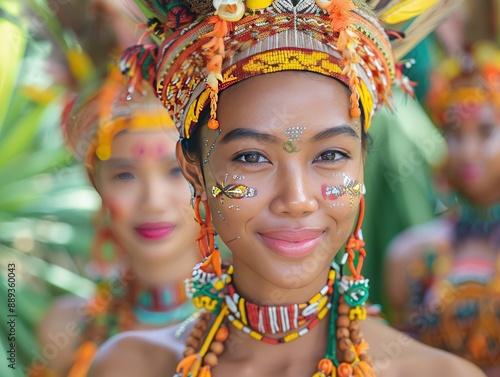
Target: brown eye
[124, 176]
[176, 172]
[330, 156]
[251, 158]
[485, 130]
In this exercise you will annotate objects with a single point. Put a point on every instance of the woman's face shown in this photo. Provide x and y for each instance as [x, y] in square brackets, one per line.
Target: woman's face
[283, 174]
[146, 195]
[473, 165]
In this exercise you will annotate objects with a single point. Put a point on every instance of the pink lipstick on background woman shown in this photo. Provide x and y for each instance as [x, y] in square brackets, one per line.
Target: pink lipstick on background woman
[155, 231]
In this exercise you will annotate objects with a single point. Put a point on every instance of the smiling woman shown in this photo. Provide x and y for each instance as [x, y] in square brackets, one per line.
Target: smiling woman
[288, 217]
[272, 105]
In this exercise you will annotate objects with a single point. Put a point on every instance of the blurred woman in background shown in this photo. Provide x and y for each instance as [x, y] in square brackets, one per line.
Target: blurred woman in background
[128, 146]
[444, 277]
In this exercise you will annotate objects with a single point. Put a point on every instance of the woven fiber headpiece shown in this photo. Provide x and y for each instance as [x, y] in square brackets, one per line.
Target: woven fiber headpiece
[207, 47]
[469, 81]
[90, 122]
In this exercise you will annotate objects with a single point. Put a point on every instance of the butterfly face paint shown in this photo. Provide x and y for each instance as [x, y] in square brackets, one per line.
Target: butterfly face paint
[233, 190]
[349, 187]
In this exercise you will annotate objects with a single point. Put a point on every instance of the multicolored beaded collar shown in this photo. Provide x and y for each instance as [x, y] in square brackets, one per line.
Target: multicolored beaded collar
[220, 303]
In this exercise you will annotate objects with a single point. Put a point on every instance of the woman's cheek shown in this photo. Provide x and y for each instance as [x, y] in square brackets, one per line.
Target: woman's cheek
[118, 209]
[491, 149]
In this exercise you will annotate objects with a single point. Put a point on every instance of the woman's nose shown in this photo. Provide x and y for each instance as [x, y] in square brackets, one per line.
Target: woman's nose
[294, 196]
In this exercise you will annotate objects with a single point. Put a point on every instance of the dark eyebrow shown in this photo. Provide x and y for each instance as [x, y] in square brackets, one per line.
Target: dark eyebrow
[343, 129]
[247, 133]
[130, 162]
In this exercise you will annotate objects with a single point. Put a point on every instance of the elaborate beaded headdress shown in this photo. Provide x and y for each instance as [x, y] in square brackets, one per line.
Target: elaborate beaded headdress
[90, 123]
[467, 81]
[206, 47]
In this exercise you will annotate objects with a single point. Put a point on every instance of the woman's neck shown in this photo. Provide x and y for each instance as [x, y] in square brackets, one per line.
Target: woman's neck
[163, 272]
[262, 291]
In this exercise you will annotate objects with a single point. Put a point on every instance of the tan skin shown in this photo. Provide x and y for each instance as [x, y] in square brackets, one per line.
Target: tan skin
[472, 168]
[288, 196]
[140, 183]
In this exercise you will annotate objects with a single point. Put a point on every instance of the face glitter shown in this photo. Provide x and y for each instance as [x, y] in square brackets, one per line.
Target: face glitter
[348, 187]
[293, 135]
[212, 146]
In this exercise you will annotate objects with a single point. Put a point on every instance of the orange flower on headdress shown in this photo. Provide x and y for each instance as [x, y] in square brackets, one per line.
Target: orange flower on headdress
[339, 12]
[229, 10]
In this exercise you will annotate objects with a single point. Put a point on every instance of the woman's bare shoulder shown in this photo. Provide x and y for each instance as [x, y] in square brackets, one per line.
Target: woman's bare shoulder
[60, 329]
[411, 242]
[397, 354]
[151, 353]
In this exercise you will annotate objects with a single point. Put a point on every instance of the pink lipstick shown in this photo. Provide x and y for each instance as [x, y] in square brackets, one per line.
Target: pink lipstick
[154, 231]
[470, 172]
[294, 243]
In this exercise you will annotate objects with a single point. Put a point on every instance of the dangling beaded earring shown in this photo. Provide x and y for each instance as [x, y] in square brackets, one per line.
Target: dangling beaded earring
[205, 239]
[104, 236]
[346, 353]
[356, 243]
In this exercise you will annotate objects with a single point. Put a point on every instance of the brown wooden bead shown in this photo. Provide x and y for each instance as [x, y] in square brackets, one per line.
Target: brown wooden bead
[342, 332]
[211, 359]
[356, 336]
[349, 356]
[344, 309]
[196, 333]
[343, 321]
[217, 348]
[354, 325]
[192, 342]
[189, 351]
[366, 357]
[344, 344]
[341, 299]
[202, 325]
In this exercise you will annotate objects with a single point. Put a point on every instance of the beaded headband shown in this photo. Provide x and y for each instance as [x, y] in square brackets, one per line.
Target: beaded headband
[470, 81]
[89, 128]
[206, 47]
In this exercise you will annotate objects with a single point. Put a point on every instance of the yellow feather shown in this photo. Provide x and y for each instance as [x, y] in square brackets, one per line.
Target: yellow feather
[405, 10]
[423, 25]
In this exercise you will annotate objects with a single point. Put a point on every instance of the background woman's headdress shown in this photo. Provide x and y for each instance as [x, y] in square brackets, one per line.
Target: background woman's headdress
[208, 46]
[469, 81]
[91, 121]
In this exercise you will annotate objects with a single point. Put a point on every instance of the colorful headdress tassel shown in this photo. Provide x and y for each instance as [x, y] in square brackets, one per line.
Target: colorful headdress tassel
[206, 240]
[138, 63]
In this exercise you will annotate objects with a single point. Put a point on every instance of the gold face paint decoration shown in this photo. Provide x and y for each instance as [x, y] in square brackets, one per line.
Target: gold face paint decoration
[348, 187]
[233, 190]
[293, 134]
[211, 146]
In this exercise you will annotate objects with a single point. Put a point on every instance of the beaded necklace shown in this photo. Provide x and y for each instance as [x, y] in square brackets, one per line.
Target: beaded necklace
[476, 222]
[161, 306]
[343, 297]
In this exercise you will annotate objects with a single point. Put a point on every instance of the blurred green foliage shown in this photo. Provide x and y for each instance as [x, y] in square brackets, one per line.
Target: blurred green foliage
[45, 200]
